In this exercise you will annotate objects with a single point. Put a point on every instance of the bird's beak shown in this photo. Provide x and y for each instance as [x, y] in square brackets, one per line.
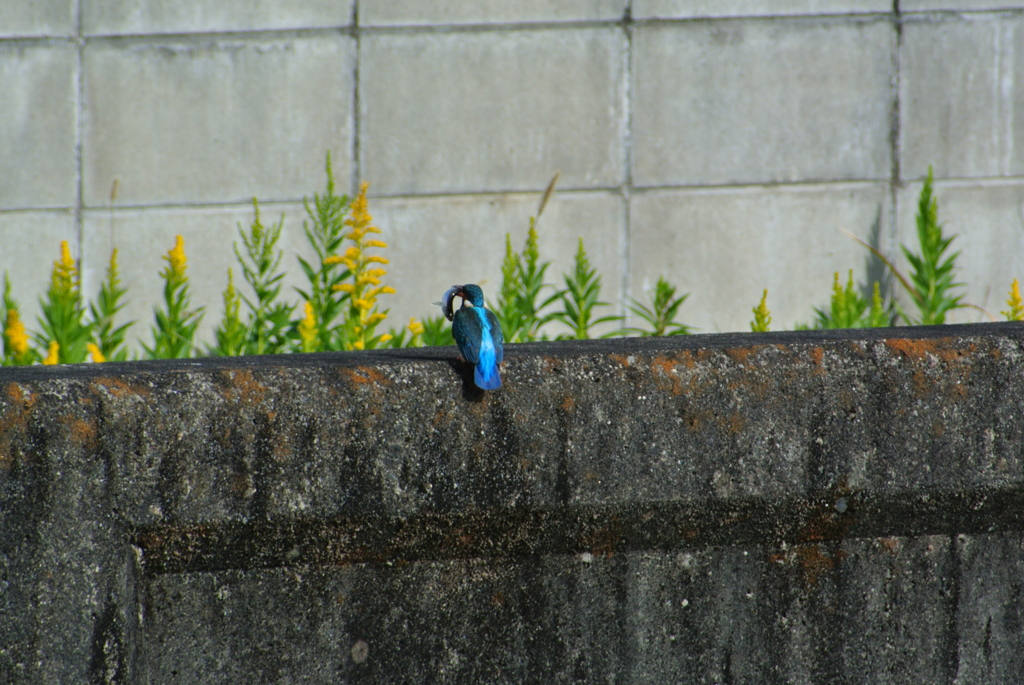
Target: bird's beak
[447, 300]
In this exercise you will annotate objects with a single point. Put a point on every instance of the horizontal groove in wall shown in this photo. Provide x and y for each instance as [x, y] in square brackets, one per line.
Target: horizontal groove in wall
[992, 181]
[380, 29]
[600, 530]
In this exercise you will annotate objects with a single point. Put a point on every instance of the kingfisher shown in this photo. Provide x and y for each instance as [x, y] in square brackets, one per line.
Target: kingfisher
[477, 333]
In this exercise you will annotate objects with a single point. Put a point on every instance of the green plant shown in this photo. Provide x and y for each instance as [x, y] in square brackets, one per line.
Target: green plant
[579, 299]
[508, 309]
[436, 332]
[268, 328]
[109, 340]
[1015, 304]
[410, 336]
[175, 323]
[325, 232]
[522, 281]
[931, 272]
[230, 334]
[930, 286]
[339, 307]
[65, 330]
[847, 309]
[762, 317]
[661, 315]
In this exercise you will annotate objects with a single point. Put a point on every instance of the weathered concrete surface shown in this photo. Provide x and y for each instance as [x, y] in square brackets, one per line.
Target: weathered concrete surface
[793, 507]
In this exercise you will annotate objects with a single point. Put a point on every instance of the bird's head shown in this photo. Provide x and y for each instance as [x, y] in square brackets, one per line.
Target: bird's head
[471, 293]
[446, 303]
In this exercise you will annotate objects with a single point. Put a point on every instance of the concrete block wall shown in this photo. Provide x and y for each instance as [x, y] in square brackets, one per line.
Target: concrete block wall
[721, 144]
[810, 507]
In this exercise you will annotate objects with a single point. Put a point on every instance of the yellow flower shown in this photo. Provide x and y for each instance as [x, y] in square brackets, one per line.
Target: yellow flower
[176, 257]
[360, 215]
[67, 264]
[763, 317]
[65, 255]
[333, 259]
[97, 355]
[385, 337]
[307, 327]
[387, 290]
[1016, 310]
[52, 355]
[363, 284]
[415, 327]
[17, 338]
[64, 274]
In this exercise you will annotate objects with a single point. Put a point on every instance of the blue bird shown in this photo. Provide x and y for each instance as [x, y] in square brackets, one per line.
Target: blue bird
[477, 333]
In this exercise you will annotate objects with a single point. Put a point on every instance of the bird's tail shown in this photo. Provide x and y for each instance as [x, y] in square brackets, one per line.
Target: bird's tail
[487, 379]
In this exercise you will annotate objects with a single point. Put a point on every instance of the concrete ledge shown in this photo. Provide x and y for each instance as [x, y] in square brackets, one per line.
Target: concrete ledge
[792, 507]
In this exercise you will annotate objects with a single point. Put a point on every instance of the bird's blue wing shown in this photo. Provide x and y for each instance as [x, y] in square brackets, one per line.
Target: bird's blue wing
[467, 331]
[499, 338]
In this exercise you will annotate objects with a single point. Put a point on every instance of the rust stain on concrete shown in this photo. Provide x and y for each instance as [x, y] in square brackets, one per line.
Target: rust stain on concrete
[815, 564]
[944, 349]
[119, 388]
[244, 388]
[741, 355]
[687, 359]
[757, 385]
[80, 431]
[812, 561]
[857, 348]
[667, 365]
[14, 421]
[23, 397]
[923, 385]
[664, 371]
[365, 375]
